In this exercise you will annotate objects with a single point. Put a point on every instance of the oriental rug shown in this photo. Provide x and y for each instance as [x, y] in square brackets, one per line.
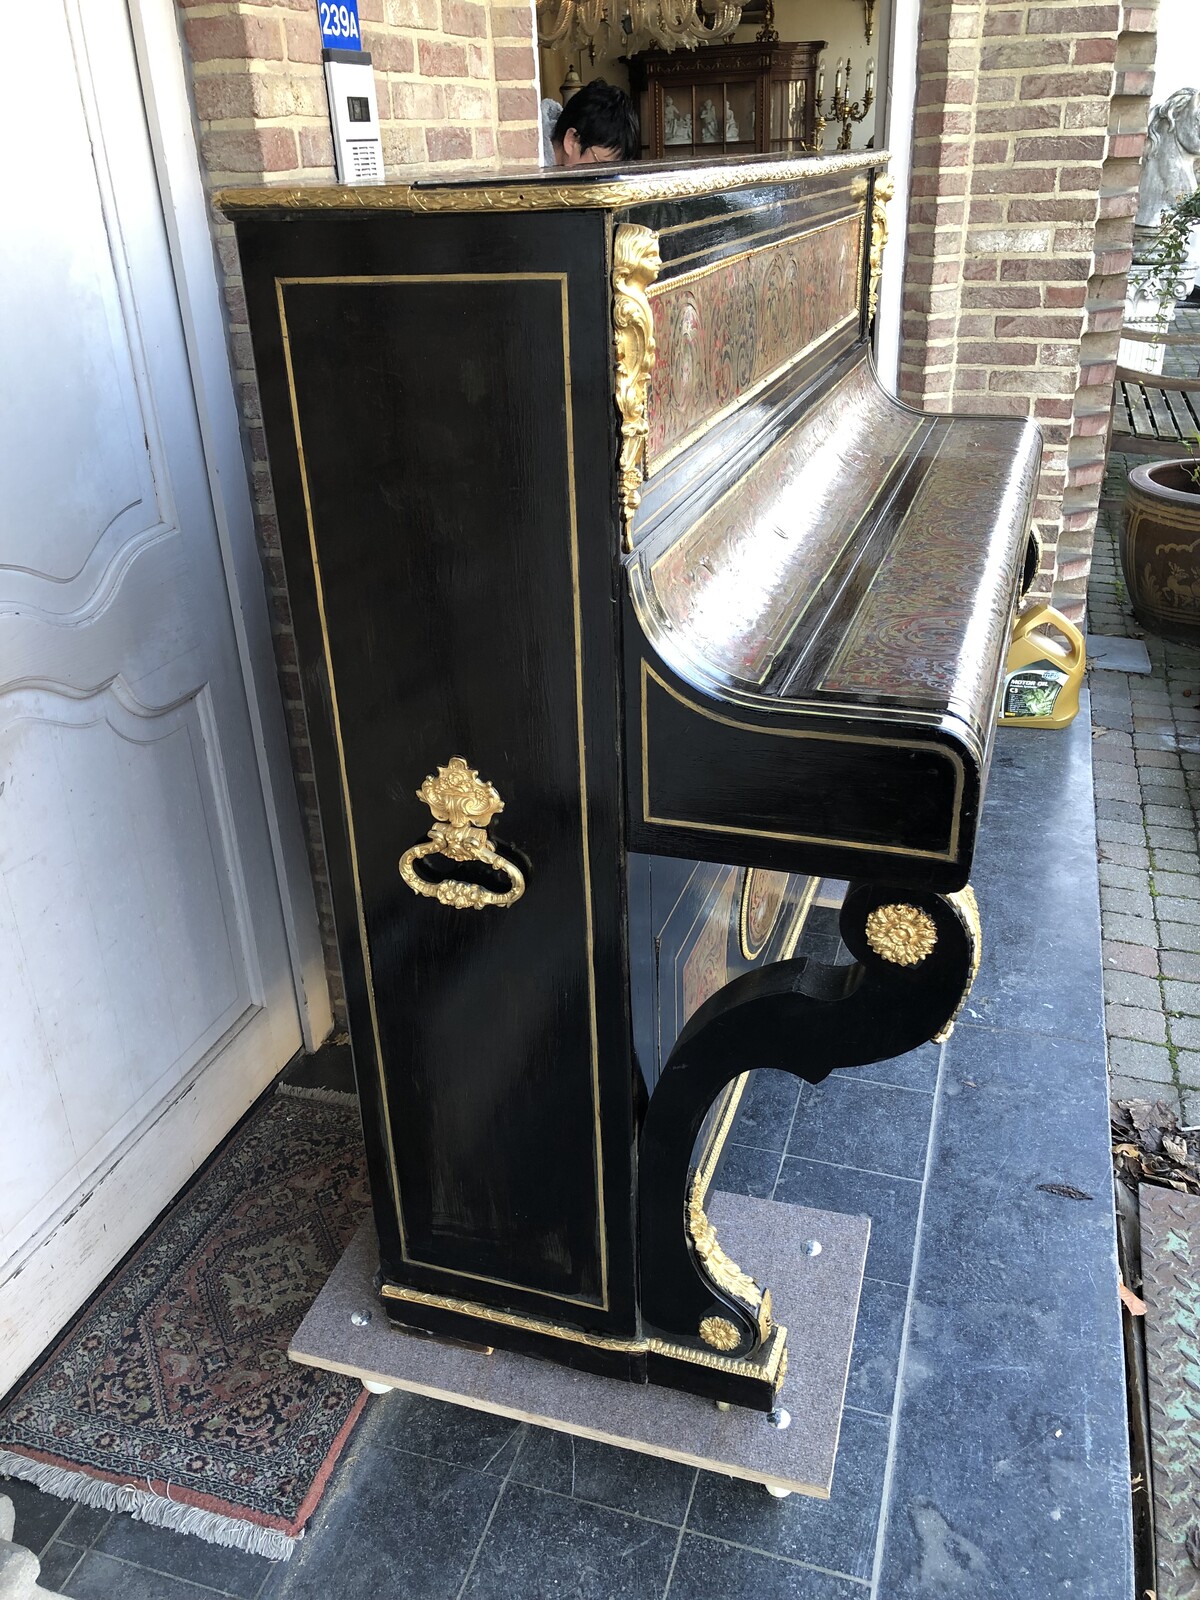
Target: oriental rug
[173, 1398]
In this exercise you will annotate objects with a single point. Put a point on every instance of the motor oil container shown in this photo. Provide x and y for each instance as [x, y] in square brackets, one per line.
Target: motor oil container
[1042, 675]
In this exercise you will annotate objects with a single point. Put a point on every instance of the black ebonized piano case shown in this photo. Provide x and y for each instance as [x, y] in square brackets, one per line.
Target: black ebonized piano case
[586, 481]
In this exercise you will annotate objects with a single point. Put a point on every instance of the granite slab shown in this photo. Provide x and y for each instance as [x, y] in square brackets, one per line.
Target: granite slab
[815, 1297]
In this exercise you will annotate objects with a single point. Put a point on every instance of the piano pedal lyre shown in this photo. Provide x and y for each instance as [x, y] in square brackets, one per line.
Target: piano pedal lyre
[916, 956]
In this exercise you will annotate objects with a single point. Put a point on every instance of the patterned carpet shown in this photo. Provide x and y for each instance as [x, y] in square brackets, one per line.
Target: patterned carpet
[173, 1398]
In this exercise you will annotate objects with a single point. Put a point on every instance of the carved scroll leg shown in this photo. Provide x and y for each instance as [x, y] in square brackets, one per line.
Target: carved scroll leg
[916, 955]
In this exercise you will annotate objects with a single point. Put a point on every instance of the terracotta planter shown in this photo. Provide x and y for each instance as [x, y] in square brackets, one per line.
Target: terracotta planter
[1160, 549]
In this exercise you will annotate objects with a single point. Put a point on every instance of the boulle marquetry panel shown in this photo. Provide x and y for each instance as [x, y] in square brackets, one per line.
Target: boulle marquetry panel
[724, 329]
[628, 606]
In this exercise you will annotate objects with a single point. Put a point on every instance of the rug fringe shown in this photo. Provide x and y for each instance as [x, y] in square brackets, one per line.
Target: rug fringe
[146, 1506]
[334, 1097]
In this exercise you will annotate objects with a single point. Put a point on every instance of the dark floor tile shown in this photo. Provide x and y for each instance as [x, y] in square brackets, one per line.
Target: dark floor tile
[183, 1555]
[390, 1525]
[1037, 846]
[459, 1434]
[58, 1561]
[1011, 1466]
[748, 1171]
[708, 1569]
[542, 1547]
[624, 1480]
[100, 1577]
[891, 1204]
[39, 1516]
[876, 1356]
[84, 1525]
[838, 1533]
[1061, 1071]
[916, 1070]
[857, 1123]
[765, 1114]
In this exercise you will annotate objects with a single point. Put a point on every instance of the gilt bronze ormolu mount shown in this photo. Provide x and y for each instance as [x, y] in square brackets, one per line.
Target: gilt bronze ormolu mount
[611, 563]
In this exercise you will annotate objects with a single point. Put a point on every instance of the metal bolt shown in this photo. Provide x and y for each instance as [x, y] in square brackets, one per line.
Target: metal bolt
[779, 1418]
[360, 1318]
[812, 1247]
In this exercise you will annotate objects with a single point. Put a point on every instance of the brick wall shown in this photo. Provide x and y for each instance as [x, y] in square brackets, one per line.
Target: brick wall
[1029, 125]
[456, 84]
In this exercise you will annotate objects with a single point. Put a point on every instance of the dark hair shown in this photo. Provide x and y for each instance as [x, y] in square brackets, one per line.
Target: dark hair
[603, 117]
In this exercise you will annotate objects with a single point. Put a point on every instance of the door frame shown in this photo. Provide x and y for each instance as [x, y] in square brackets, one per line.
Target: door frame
[169, 116]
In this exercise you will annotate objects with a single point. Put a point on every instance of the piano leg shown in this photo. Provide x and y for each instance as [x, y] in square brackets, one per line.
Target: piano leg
[916, 954]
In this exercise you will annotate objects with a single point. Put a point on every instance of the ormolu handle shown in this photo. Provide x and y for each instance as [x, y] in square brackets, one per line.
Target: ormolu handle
[463, 805]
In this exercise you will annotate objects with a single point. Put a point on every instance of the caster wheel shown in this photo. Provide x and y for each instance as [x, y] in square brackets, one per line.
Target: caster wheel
[777, 1494]
[376, 1388]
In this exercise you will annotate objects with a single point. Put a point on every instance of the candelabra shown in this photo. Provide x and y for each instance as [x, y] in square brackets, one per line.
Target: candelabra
[842, 109]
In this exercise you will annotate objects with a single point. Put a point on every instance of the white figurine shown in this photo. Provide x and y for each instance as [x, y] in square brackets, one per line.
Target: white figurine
[731, 127]
[677, 129]
[708, 123]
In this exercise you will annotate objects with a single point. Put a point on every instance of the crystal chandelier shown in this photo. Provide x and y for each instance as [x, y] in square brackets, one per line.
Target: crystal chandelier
[612, 27]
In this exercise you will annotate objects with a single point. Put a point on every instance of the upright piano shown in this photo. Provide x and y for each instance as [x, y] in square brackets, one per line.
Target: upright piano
[629, 608]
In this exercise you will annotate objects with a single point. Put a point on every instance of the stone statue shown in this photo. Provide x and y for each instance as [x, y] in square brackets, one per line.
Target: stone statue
[677, 128]
[708, 123]
[1172, 146]
[731, 127]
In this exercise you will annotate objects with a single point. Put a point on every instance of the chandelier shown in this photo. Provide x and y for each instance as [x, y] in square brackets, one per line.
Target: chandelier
[613, 27]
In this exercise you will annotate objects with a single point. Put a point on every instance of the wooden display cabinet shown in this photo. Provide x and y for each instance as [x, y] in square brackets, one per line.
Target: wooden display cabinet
[733, 99]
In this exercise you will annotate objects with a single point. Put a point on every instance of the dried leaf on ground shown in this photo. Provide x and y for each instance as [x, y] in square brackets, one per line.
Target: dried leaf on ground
[1131, 1302]
[1149, 1146]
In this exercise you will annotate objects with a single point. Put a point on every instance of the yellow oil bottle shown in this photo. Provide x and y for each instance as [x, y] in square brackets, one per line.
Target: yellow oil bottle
[1042, 676]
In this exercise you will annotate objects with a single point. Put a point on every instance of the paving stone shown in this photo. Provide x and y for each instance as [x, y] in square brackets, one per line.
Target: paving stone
[1122, 833]
[1183, 964]
[1136, 1022]
[1121, 811]
[1127, 902]
[1132, 989]
[1189, 1114]
[1115, 876]
[1107, 752]
[1178, 936]
[1133, 1058]
[1174, 908]
[1183, 997]
[1161, 838]
[1188, 1065]
[1116, 788]
[1131, 958]
[1166, 816]
[1123, 1088]
[1183, 885]
[1185, 1032]
[1174, 861]
[1132, 930]
[1125, 855]
[1158, 758]
[1159, 782]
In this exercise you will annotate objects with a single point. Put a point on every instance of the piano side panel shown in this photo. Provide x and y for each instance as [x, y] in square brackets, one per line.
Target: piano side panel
[441, 613]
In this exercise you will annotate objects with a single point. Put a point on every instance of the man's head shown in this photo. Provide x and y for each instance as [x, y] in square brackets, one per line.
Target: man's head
[596, 124]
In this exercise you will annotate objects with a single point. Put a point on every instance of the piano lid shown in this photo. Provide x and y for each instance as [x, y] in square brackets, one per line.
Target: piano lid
[531, 188]
[867, 557]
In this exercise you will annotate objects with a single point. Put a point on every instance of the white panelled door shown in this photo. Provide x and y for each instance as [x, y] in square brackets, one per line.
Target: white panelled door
[147, 991]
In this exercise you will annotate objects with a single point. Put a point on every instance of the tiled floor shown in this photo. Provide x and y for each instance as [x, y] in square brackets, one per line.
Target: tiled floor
[983, 1452]
[1147, 761]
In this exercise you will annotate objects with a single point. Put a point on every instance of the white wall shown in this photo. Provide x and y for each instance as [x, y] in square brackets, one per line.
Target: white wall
[1177, 64]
